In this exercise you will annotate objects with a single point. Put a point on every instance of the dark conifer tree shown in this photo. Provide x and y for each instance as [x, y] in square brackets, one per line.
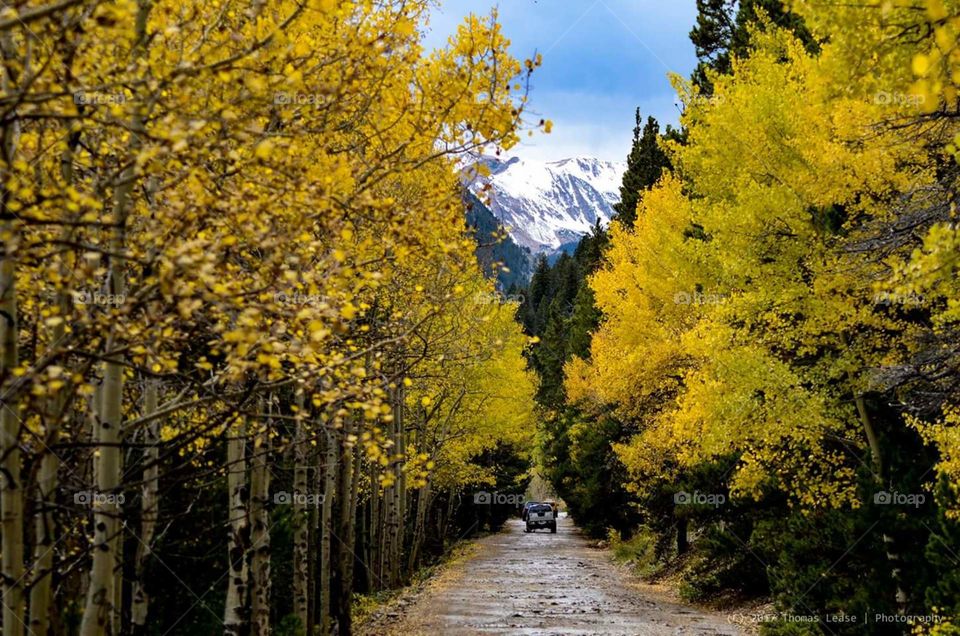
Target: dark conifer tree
[722, 33]
[645, 165]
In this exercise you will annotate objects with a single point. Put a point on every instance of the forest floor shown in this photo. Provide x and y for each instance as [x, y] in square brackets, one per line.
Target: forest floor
[541, 583]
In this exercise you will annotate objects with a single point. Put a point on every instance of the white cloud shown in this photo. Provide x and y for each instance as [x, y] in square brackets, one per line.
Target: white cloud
[602, 59]
[591, 125]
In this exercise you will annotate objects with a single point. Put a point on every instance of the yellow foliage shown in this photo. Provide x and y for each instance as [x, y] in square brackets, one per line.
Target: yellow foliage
[292, 209]
[736, 322]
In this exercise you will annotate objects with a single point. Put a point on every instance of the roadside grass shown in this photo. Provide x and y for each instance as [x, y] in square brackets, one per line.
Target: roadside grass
[638, 551]
[703, 576]
[367, 606]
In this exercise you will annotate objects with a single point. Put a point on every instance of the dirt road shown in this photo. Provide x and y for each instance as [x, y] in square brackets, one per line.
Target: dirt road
[542, 583]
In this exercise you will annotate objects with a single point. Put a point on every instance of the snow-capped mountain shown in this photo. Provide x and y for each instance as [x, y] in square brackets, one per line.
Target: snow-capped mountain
[547, 205]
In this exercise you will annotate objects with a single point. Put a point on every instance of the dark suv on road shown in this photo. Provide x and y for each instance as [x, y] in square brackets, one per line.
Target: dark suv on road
[541, 515]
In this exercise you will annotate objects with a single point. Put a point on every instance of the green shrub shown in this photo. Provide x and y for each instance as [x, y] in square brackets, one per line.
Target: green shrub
[290, 625]
[638, 551]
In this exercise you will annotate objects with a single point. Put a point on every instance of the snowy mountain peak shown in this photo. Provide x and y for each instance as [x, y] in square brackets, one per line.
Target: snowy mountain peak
[546, 205]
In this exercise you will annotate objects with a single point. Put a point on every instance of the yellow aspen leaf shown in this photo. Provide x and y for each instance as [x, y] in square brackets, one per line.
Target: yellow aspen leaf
[264, 149]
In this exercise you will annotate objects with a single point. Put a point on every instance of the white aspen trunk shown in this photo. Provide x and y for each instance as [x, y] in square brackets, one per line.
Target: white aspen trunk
[344, 474]
[41, 598]
[11, 485]
[235, 608]
[401, 492]
[390, 507]
[301, 518]
[313, 540]
[419, 526]
[101, 611]
[41, 591]
[149, 508]
[349, 475]
[326, 530]
[876, 462]
[879, 478]
[116, 617]
[260, 537]
[98, 613]
[375, 529]
[394, 519]
[413, 544]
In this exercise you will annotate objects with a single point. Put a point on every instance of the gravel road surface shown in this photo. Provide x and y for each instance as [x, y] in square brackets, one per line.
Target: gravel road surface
[542, 583]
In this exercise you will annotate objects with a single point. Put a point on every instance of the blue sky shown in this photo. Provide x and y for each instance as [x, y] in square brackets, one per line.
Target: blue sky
[601, 59]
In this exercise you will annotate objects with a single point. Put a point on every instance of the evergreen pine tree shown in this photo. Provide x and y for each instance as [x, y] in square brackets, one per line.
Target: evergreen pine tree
[722, 33]
[583, 322]
[550, 356]
[590, 250]
[712, 37]
[533, 309]
[645, 164]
